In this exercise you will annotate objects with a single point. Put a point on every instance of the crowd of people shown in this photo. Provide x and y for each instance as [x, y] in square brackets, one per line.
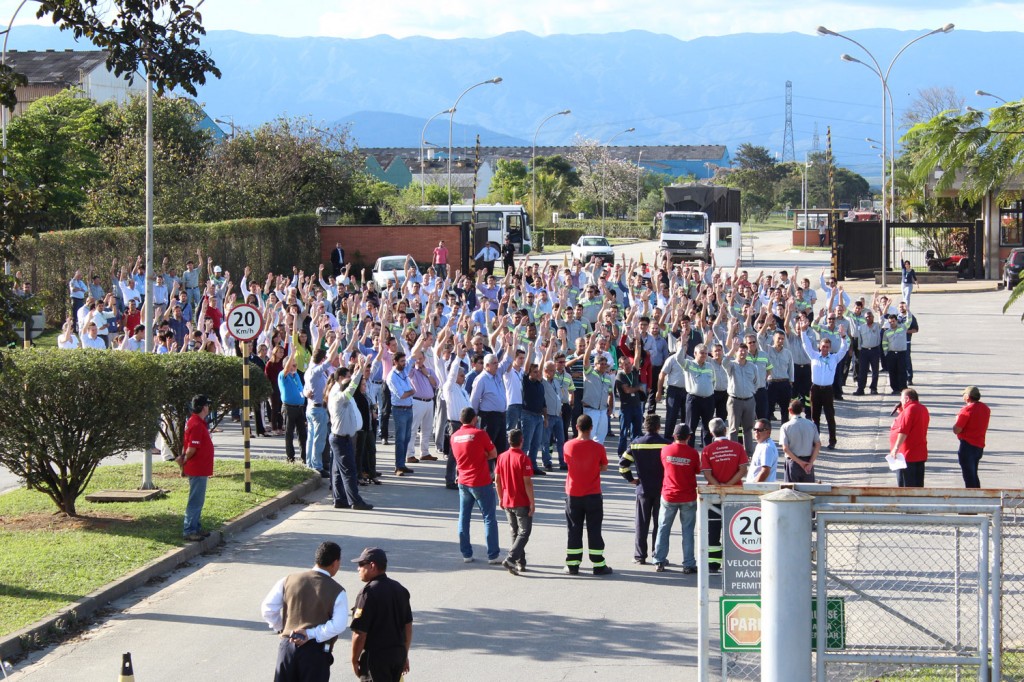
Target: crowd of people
[530, 353]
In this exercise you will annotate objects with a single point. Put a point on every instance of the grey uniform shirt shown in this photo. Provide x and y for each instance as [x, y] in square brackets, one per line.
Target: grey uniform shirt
[742, 378]
[553, 394]
[799, 435]
[869, 336]
[721, 377]
[596, 389]
[700, 379]
[796, 347]
[782, 363]
[672, 370]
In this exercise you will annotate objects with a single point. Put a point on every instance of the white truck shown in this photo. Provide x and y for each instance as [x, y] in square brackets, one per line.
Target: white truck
[690, 212]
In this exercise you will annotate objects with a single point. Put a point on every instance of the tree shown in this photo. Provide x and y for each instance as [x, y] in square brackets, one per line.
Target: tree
[603, 181]
[929, 103]
[218, 377]
[53, 145]
[181, 151]
[56, 431]
[284, 167]
[510, 183]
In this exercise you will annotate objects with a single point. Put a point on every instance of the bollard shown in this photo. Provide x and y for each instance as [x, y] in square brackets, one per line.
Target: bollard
[127, 674]
[786, 586]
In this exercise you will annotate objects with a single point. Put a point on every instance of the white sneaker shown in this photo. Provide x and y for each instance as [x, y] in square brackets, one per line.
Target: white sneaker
[495, 561]
[467, 559]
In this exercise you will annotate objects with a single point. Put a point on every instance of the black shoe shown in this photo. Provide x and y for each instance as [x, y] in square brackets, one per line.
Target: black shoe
[338, 504]
[376, 474]
[563, 467]
[830, 446]
[512, 568]
[568, 570]
[386, 441]
[451, 486]
[640, 562]
[548, 467]
[402, 471]
[659, 568]
[539, 472]
[205, 533]
[714, 568]
[874, 391]
[689, 570]
[521, 567]
[325, 474]
[194, 537]
[603, 570]
[910, 382]
[376, 481]
[858, 392]
[362, 506]
[839, 397]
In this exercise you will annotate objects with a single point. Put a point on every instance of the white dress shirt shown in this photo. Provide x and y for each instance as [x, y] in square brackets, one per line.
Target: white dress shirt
[273, 605]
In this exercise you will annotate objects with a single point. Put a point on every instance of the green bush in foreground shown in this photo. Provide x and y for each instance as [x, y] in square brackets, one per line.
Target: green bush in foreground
[48, 561]
[64, 412]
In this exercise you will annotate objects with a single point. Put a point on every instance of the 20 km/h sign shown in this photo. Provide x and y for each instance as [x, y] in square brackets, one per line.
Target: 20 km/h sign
[745, 530]
[245, 322]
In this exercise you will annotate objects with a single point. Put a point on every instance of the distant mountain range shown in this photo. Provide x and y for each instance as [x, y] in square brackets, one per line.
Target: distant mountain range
[716, 90]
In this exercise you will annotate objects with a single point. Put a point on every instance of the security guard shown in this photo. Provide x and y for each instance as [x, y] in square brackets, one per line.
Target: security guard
[645, 452]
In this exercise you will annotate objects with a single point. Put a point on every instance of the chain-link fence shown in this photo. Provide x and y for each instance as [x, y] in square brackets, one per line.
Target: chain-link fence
[924, 586]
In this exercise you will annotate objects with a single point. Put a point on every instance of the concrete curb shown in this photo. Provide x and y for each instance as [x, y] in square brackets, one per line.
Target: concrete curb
[66, 620]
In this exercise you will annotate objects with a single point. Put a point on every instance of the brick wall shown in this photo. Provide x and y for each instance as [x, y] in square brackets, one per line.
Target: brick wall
[373, 241]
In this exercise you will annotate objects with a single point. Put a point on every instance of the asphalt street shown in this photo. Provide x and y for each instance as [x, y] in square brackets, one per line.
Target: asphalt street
[474, 621]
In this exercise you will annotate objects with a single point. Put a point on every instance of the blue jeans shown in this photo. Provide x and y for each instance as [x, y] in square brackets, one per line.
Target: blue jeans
[533, 431]
[688, 516]
[969, 456]
[485, 498]
[317, 419]
[194, 506]
[631, 425]
[555, 430]
[513, 417]
[403, 433]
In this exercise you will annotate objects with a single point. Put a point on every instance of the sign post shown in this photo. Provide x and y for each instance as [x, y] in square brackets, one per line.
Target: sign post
[244, 323]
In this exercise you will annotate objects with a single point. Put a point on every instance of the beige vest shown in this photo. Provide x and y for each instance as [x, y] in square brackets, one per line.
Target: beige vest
[309, 600]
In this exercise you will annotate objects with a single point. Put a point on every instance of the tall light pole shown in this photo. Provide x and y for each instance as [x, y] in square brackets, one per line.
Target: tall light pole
[228, 121]
[3, 113]
[451, 123]
[884, 78]
[533, 161]
[639, 172]
[979, 93]
[423, 136]
[604, 171]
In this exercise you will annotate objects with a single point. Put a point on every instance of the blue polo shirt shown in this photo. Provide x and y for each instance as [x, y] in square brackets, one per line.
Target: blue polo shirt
[291, 388]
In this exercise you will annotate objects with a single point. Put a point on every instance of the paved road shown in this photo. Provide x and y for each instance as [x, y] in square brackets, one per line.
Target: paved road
[479, 622]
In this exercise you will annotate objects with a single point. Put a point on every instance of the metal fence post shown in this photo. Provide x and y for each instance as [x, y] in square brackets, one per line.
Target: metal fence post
[786, 586]
[703, 619]
[997, 594]
[821, 594]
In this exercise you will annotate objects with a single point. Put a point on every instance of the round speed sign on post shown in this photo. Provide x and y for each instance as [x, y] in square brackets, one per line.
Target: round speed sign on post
[245, 322]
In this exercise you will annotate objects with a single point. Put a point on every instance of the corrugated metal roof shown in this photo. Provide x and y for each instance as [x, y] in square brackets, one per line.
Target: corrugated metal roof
[63, 68]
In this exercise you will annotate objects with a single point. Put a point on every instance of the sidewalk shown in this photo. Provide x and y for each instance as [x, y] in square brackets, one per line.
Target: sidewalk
[474, 621]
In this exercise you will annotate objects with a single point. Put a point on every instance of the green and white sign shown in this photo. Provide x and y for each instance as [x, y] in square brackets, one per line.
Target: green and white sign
[740, 623]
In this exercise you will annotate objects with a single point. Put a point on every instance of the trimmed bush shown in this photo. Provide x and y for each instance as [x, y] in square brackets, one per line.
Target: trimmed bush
[217, 376]
[264, 244]
[65, 411]
[619, 229]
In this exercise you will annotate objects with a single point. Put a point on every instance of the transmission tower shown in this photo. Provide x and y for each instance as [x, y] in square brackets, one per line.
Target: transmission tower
[815, 141]
[788, 152]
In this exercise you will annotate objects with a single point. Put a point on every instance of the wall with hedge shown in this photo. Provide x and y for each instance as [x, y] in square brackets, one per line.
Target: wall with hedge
[568, 231]
[264, 244]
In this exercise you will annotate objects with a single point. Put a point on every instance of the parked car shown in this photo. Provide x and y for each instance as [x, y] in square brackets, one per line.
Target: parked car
[388, 267]
[1012, 268]
[589, 246]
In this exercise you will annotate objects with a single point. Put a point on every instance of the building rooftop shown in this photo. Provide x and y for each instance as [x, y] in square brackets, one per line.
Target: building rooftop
[664, 152]
[64, 68]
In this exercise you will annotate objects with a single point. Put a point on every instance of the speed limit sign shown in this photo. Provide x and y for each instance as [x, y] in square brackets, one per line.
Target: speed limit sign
[745, 530]
[245, 322]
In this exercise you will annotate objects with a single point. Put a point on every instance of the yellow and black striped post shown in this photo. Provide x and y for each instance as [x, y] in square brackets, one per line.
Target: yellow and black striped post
[246, 431]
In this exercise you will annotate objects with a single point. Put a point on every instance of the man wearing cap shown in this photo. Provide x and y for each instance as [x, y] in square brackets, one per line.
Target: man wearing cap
[678, 496]
[381, 622]
[196, 464]
[308, 610]
[970, 428]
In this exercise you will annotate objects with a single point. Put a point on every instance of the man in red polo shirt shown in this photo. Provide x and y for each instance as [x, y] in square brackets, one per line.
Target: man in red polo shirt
[908, 438]
[586, 459]
[971, 427]
[197, 464]
[678, 495]
[473, 449]
[723, 462]
[513, 477]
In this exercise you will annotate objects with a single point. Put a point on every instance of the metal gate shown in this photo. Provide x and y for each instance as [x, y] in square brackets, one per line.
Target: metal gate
[859, 247]
[910, 584]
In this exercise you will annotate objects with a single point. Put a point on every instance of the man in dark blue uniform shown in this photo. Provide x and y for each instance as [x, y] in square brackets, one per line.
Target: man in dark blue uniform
[645, 453]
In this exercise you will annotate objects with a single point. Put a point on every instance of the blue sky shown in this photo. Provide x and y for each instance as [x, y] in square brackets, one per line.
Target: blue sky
[686, 19]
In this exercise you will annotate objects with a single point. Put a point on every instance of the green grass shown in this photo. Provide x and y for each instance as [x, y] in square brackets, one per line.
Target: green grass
[49, 560]
[774, 222]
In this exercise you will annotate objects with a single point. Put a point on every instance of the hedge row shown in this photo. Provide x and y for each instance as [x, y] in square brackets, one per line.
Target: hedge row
[264, 244]
[568, 231]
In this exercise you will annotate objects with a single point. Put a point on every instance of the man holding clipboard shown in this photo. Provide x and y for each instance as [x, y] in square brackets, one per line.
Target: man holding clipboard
[908, 440]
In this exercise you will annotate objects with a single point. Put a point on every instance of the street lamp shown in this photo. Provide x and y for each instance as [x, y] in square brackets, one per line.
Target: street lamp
[604, 170]
[228, 121]
[884, 78]
[3, 117]
[639, 172]
[982, 93]
[423, 135]
[451, 120]
[533, 160]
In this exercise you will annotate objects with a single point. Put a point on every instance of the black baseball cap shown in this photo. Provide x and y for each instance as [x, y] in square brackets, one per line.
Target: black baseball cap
[374, 554]
[199, 402]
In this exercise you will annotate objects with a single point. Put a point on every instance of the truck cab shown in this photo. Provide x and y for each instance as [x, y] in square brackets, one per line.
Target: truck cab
[686, 235]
